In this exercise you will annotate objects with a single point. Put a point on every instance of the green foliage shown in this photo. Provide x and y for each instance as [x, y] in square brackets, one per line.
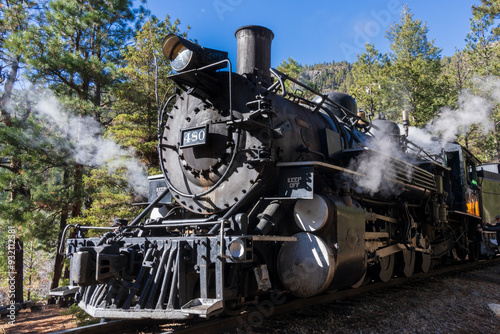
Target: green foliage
[138, 100]
[371, 81]
[483, 58]
[110, 200]
[293, 69]
[490, 8]
[322, 77]
[34, 158]
[36, 278]
[82, 318]
[75, 48]
[15, 16]
[415, 67]
[455, 76]
[329, 76]
[483, 50]
[140, 96]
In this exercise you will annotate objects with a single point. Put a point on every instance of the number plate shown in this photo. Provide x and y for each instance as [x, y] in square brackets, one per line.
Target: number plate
[194, 136]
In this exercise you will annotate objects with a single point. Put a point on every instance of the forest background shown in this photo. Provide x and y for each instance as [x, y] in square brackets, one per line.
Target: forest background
[82, 82]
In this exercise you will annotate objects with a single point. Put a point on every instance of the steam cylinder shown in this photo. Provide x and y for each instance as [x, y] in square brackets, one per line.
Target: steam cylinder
[330, 250]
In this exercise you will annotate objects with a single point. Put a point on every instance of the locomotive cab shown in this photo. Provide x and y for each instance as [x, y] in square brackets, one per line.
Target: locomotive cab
[465, 186]
[475, 192]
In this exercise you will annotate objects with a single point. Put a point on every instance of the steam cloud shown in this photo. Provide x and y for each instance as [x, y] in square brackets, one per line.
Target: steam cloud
[375, 166]
[472, 109]
[87, 145]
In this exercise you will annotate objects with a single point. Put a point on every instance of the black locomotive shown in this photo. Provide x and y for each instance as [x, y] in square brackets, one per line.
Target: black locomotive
[265, 190]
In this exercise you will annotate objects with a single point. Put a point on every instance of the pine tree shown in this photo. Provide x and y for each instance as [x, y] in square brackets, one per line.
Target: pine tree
[77, 50]
[292, 68]
[14, 19]
[415, 66]
[483, 50]
[491, 8]
[140, 96]
[370, 81]
[483, 56]
[143, 90]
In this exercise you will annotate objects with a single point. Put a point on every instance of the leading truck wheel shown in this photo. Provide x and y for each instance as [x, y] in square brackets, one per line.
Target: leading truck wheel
[306, 266]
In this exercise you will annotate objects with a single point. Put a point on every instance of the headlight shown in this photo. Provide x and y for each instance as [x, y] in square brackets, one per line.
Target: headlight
[186, 55]
[236, 249]
[182, 60]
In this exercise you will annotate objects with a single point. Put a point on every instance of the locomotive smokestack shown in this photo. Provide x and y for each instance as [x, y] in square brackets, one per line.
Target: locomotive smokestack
[254, 50]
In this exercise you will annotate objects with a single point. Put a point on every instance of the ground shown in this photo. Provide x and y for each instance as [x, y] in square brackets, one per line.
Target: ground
[46, 320]
[456, 303]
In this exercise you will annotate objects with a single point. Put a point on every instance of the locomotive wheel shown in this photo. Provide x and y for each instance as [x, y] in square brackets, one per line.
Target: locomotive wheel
[423, 262]
[406, 263]
[385, 268]
[232, 308]
[363, 281]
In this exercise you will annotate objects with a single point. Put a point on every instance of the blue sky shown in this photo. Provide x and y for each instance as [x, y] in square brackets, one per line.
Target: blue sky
[316, 31]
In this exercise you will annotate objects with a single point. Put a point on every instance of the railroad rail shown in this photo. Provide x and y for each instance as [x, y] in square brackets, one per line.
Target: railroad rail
[275, 305]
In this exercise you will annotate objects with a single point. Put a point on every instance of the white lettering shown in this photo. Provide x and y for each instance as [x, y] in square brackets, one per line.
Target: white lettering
[394, 6]
[294, 182]
[221, 7]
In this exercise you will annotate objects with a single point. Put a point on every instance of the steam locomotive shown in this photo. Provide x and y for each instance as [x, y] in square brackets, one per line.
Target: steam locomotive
[271, 186]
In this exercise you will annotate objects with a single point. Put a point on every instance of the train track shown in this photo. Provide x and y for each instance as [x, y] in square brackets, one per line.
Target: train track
[275, 305]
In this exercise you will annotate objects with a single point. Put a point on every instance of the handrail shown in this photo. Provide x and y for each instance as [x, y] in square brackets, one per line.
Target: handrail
[347, 113]
[233, 156]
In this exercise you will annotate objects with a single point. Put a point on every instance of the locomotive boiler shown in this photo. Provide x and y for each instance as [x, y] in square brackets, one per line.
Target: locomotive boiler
[270, 186]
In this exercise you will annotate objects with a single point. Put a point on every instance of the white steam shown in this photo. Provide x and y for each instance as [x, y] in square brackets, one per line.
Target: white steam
[87, 145]
[472, 110]
[377, 165]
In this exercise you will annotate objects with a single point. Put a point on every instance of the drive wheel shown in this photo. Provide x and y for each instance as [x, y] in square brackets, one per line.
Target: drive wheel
[423, 262]
[363, 281]
[385, 268]
[406, 263]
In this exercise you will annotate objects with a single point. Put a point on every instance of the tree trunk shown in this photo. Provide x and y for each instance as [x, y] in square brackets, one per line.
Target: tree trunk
[15, 167]
[59, 261]
[496, 154]
[78, 191]
[19, 267]
[76, 208]
[9, 85]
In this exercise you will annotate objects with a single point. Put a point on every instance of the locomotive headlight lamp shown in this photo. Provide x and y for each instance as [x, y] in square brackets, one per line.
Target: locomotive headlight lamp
[186, 55]
[182, 60]
[236, 249]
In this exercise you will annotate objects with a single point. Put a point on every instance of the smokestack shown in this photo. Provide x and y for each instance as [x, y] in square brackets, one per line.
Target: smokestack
[254, 50]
